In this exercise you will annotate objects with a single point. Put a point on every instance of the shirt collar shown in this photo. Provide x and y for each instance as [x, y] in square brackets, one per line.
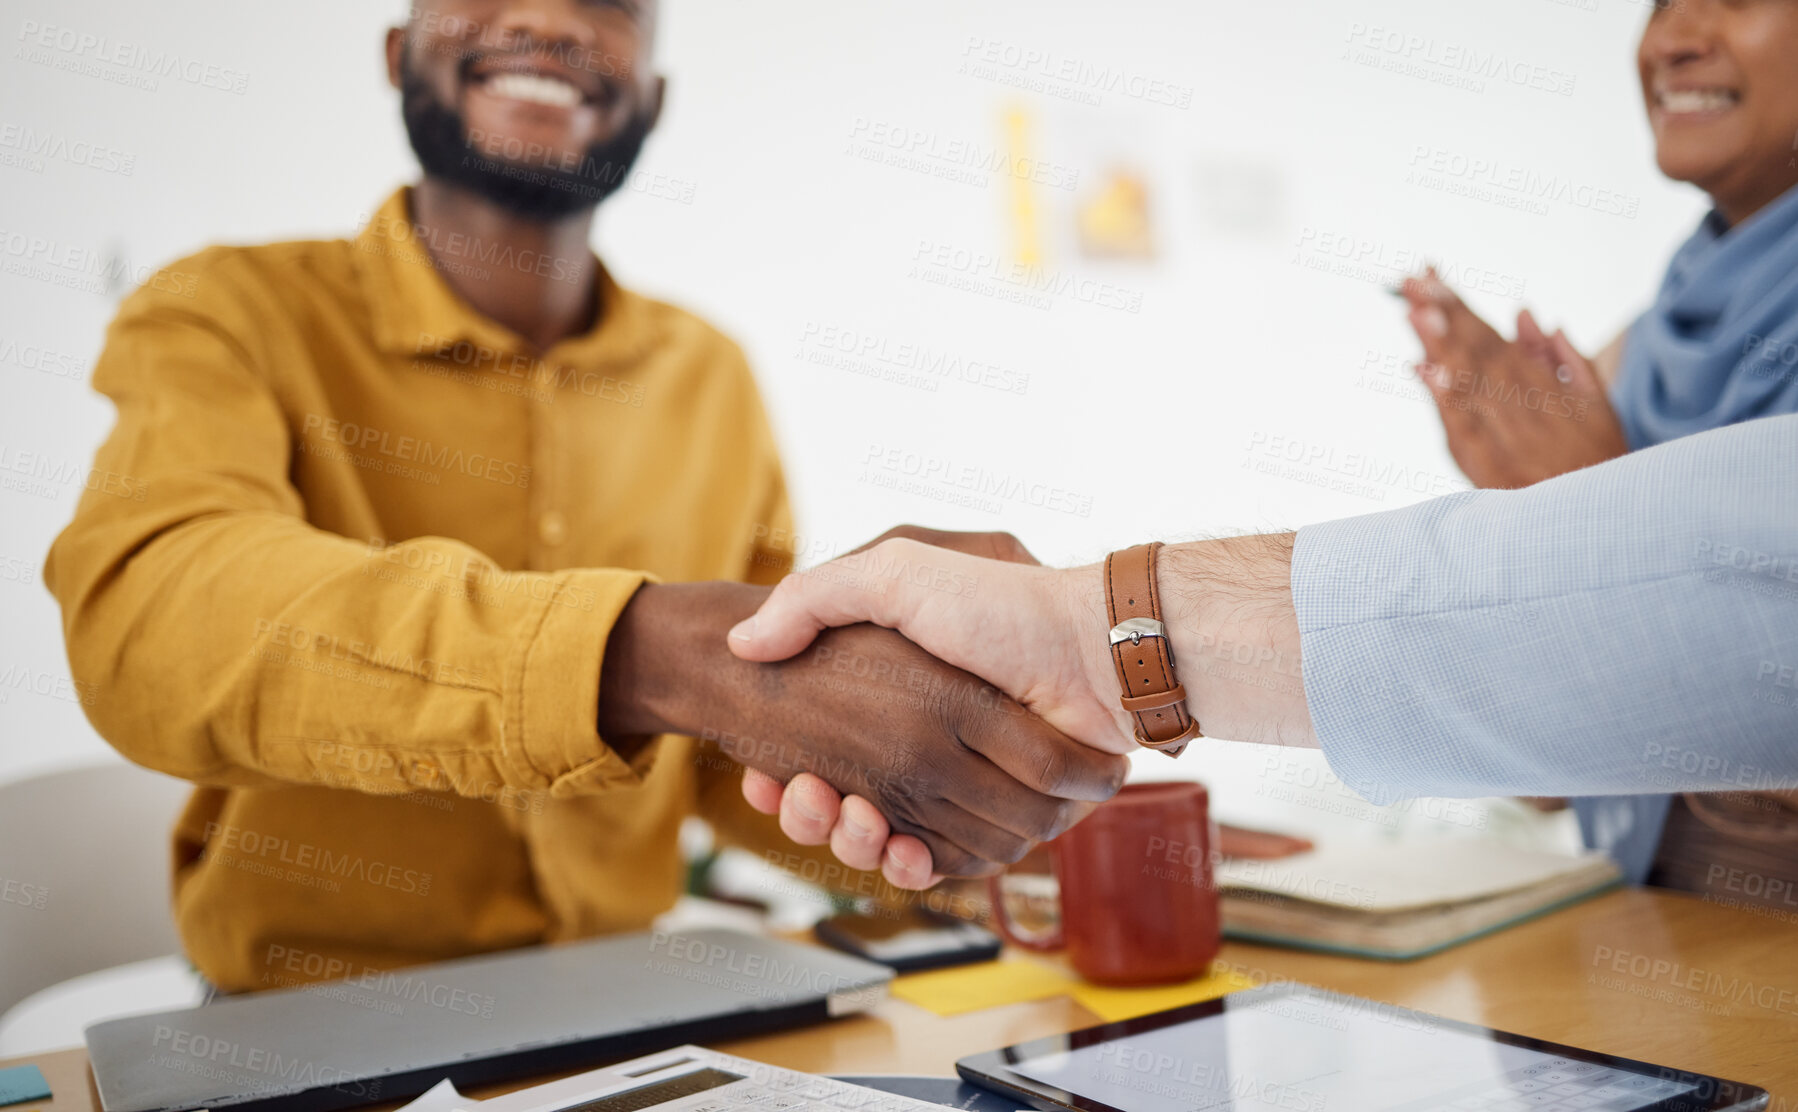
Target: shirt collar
[415, 312]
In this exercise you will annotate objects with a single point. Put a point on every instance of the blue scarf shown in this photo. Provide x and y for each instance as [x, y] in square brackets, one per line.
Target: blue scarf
[1720, 344]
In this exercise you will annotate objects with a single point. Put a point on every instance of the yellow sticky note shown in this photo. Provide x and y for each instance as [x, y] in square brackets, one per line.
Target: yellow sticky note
[969, 988]
[1111, 1004]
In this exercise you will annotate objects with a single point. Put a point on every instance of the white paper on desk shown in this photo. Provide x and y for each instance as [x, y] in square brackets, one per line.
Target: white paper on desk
[441, 1097]
[1386, 878]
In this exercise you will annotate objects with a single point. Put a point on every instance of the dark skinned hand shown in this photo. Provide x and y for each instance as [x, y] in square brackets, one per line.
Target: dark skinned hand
[813, 813]
[974, 777]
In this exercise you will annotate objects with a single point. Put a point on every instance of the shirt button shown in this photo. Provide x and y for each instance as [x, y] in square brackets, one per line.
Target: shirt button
[552, 528]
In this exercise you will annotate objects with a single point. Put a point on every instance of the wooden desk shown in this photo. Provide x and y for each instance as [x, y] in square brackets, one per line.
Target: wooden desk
[1651, 975]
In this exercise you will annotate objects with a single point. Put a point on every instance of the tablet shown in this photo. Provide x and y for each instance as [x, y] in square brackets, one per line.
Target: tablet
[1301, 1049]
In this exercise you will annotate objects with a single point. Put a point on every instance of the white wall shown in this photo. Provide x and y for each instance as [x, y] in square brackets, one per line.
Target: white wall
[1238, 340]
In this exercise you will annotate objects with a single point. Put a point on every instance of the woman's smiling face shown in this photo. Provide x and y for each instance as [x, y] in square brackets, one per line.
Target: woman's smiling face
[1720, 81]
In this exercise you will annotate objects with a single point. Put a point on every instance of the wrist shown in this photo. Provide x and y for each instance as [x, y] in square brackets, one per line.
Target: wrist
[1087, 619]
[667, 666]
[1234, 635]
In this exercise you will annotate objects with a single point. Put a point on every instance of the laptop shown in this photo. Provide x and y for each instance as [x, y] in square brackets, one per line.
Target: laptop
[390, 1035]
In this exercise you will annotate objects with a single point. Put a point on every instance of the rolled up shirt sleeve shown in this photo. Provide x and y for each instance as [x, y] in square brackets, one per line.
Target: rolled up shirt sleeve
[214, 634]
[1627, 628]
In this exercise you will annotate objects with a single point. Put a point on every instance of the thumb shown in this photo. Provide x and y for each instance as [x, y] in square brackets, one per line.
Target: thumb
[839, 593]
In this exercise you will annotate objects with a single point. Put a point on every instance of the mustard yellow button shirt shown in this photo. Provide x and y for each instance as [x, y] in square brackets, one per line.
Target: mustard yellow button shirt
[353, 574]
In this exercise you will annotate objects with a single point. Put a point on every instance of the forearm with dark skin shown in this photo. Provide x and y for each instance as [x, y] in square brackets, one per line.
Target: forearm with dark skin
[667, 670]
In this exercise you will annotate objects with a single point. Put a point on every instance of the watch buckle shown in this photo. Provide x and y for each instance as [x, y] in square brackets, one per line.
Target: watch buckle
[1134, 630]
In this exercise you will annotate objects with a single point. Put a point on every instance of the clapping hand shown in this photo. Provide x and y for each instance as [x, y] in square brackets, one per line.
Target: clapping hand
[1515, 411]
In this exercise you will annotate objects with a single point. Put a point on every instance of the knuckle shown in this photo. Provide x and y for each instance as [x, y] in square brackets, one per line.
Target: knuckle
[1016, 849]
[908, 546]
[966, 864]
[950, 861]
[902, 807]
[1053, 770]
[1047, 822]
[789, 589]
[1067, 814]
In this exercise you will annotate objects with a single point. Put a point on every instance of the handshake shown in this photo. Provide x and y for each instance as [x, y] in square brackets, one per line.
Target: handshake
[983, 719]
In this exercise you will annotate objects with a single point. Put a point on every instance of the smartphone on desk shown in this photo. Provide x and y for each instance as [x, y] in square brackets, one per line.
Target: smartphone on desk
[909, 940]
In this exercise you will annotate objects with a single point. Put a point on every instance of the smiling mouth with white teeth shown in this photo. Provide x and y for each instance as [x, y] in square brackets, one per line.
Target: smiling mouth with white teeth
[533, 88]
[1693, 101]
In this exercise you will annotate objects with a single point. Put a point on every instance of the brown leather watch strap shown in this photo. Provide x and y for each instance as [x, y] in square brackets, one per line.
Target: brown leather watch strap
[1140, 649]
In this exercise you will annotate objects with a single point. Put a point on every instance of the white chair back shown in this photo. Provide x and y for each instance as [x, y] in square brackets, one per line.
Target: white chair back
[84, 873]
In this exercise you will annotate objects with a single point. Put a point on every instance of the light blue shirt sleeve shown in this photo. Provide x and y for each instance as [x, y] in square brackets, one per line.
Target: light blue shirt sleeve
[1628, 628]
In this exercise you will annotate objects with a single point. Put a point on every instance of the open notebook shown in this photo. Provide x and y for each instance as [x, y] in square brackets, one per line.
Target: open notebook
[1400, 901]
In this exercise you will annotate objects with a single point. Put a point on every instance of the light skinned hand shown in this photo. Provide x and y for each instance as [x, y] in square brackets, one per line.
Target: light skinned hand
[1025, 629]
[1515, 411]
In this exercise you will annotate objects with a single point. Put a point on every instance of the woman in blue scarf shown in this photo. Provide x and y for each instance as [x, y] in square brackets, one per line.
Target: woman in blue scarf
[1718, 346]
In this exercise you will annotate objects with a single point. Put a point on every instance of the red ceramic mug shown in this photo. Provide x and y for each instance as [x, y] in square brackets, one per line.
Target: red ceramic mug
[1129, 892]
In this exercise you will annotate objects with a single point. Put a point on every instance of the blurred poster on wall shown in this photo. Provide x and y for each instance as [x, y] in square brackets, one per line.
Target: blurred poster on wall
[1241, 197]
[1122, 151]
[1114, 220]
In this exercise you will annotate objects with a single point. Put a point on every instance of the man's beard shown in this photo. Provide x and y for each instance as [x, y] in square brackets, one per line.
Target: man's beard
[441, 141]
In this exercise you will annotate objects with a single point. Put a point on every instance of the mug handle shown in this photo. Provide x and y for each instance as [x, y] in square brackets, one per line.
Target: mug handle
[1040, 941]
